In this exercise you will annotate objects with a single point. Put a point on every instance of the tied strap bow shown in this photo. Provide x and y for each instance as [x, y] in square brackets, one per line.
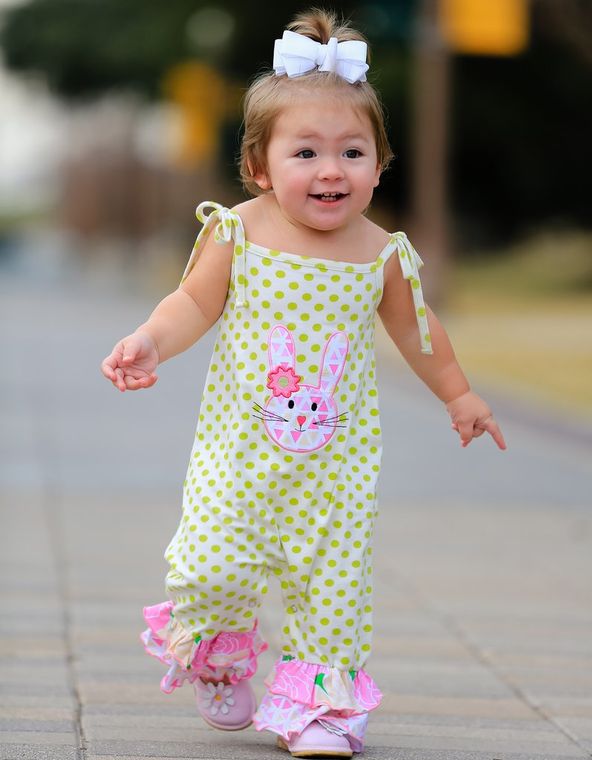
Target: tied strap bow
[295, 55]
[411, 262]
[229, 227]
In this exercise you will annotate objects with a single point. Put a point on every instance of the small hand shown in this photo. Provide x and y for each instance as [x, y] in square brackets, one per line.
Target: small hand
[131, 364]
[471, 417]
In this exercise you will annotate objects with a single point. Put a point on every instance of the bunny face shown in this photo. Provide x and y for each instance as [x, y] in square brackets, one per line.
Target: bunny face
[300, 417]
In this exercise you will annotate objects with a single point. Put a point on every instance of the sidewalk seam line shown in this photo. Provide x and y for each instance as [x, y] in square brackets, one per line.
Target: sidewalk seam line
[474, 649]
[52, 515]
[481, 657]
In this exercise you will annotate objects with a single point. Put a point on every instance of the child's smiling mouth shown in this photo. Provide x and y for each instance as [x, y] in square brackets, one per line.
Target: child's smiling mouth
[328, 197]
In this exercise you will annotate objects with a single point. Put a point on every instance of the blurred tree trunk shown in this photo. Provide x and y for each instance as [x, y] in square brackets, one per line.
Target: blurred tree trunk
[571, 20]
[431, 93]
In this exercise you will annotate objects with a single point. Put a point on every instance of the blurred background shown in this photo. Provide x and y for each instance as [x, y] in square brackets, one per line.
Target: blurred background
[117, 118]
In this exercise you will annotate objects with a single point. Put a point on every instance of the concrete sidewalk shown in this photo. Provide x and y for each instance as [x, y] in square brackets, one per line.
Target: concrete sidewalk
[483, 569]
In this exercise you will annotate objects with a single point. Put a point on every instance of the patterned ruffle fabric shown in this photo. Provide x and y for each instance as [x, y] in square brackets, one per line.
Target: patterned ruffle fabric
[227, 654]
[299, 692]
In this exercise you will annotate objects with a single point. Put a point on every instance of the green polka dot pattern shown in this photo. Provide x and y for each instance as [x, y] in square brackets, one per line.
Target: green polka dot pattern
[254, 507]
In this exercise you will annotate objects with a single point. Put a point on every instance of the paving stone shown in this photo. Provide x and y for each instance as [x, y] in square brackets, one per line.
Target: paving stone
[33, 648]
[399, 704]
[32, 752]
[225, 748]
[467, 722]
[169, 721]
[181, 706]
[425, 649]
[495, 745]
[424, 753]
[40, 671]
[466, 597]
[32, 688]
[26, 699]
[573, 706]
[543, 732]
[35, 724]
[580, 727]
[45, 738]
[35, 713]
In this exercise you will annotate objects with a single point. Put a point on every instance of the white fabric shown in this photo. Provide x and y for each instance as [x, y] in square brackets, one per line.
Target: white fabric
[295, 55]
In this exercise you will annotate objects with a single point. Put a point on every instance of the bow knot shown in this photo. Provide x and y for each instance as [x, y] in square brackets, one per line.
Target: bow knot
[229, 227]
[410, 263]
[408, 256]
[227, 219]
[295, 55]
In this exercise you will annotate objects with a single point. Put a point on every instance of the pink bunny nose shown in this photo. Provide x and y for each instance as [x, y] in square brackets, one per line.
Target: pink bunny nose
[301, 420]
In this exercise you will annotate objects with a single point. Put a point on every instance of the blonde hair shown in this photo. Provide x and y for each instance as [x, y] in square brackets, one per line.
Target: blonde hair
[269, 94]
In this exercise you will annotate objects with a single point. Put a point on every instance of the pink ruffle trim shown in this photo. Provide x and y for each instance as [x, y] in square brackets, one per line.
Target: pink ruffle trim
[300, 692]
[289, 719]
[231, 654]
[313, 685]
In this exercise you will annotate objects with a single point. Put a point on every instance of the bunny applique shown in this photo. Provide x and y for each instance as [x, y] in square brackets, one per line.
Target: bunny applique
[298, 416]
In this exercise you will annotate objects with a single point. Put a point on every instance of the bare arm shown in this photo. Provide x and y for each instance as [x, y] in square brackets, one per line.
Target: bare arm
[185, 315]
[177, 323]
[440, 371]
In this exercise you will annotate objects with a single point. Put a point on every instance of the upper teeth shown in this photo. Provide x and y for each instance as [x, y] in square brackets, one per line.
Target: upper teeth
[329, 195]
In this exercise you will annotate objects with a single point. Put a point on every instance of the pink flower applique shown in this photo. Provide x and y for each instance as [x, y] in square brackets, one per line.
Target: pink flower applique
[283, 381]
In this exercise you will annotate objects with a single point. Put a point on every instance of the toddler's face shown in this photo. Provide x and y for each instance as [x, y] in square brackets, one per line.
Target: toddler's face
[321, 163]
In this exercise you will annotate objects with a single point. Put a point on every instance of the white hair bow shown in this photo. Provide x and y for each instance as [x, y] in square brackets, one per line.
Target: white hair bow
[295, 55]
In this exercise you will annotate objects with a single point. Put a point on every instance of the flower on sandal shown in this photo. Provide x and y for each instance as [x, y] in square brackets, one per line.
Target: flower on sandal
[218, 698]
[283, 381]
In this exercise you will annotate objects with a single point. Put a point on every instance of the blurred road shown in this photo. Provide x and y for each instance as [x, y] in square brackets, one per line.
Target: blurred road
[483, 559]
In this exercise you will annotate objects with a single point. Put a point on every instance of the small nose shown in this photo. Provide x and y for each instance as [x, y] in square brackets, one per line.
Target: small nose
[330, 169]
[301, 420]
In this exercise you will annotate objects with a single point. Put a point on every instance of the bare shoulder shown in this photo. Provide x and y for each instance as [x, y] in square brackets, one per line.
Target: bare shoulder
[374, 235]
[251, 212]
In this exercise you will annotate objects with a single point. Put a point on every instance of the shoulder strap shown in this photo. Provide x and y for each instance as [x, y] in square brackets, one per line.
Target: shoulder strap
[229, 227]
[410, 263]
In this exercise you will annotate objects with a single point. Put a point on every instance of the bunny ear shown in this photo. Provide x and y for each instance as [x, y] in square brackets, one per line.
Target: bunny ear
[333, 361]
[281, 347]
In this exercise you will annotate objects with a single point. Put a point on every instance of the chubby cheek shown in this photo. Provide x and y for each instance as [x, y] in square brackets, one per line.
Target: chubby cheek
[289, 173]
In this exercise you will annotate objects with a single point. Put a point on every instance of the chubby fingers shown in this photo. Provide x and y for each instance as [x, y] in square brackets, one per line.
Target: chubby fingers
[130, 349]
[126, 382]
[490, 426]
[109, 367]
[136, 384]
[468, 431]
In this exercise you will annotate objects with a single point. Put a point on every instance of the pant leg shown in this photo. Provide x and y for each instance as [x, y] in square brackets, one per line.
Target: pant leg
[219, 564]
[326, 585]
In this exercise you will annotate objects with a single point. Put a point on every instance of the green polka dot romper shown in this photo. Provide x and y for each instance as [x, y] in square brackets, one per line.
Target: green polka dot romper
[283, 472]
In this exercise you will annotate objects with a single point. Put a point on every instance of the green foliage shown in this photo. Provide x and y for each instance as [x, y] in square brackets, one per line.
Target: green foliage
[520, 127]
[87, 47]
[550, 263]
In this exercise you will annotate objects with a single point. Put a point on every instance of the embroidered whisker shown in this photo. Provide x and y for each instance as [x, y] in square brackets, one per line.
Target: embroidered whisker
[269, 419]
[337, 418]
[269, 415]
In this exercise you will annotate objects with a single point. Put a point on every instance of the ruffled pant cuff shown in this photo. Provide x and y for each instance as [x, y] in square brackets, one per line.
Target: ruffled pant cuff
[300, 692]
[228, 654]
